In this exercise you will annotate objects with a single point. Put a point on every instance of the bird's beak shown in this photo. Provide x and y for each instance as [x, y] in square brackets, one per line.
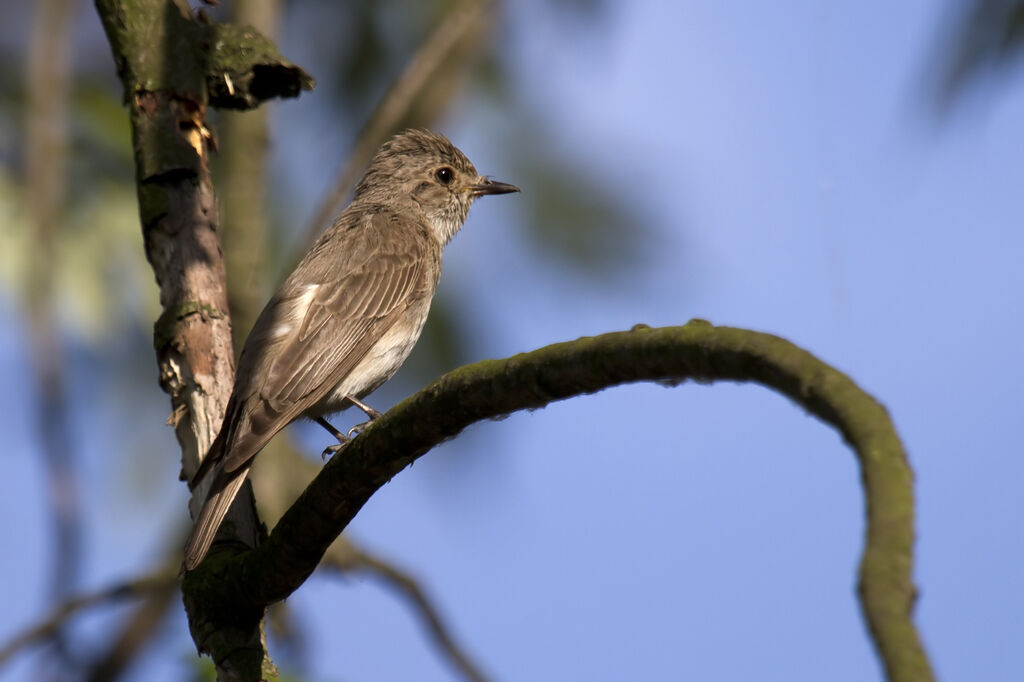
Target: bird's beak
[488, 186]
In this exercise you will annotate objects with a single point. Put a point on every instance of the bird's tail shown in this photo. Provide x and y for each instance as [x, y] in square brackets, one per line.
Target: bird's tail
[225, 487]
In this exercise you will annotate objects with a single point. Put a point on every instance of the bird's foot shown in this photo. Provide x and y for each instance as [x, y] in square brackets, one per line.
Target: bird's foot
[370, 412]
[358, 428]
[343, 440]
[332, 450]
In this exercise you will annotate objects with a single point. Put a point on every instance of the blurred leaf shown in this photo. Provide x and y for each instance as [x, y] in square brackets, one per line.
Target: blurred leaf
[577, 218]
[12, 98]
[101, 153]
[14, 238]
[102, 280]
[591, 7]
[985, 39]
[360, 63]
[102, 271]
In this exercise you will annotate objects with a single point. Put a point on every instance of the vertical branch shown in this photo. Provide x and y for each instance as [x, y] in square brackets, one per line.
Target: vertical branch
[162, 69]
[242, 176]
[47, 87]
[161, 56]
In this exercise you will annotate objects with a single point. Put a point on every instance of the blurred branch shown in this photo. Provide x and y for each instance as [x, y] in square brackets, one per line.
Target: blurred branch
[985, 36]
[465, 18]
[671, 355]
[280, 477]
[51, 625]
[46, 150]
[345, 557]
[137, 630]
[242, 176]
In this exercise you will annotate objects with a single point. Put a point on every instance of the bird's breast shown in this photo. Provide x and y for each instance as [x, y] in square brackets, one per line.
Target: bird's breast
[381, 361]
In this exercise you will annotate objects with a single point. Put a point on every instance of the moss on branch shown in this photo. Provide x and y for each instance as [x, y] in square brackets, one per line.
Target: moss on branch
[696, 352]
[159, 46]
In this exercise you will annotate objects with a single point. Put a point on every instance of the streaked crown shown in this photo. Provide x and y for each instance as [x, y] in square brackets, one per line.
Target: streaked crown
[422, 170]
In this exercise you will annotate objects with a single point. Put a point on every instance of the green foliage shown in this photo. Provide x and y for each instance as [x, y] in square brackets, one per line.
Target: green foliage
[101, 278]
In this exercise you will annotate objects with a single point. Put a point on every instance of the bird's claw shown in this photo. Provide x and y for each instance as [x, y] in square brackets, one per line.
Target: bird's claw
[332, 450]
[358, 428]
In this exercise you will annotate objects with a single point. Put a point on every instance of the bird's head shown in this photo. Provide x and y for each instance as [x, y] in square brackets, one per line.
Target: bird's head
[425, 168]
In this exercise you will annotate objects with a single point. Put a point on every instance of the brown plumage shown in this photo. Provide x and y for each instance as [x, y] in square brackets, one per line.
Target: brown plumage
[348, 315]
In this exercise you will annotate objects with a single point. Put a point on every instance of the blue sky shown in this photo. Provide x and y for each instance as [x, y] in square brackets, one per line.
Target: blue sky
[796, 183]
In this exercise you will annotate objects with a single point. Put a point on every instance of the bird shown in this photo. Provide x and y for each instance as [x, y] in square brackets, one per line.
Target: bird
[347, 317]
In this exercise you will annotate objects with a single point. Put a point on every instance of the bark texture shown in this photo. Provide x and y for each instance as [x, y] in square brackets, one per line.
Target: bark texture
[172, 66]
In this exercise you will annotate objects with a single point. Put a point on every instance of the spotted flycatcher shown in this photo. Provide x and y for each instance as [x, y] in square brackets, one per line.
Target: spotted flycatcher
[349, 314]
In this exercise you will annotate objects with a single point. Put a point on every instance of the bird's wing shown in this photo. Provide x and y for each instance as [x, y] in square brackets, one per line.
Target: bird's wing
[321, 324]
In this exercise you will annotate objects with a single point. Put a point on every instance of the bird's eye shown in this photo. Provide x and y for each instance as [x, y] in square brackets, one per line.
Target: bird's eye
[444, 175]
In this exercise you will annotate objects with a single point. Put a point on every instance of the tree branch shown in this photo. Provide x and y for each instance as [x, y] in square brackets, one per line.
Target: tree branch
[167, 61]
[283, 474]
[52, 624]
[245, 69]
[138, 629]
[241, 173]
[164, 81]
[345, 557]
[159, 52]
[46, 150]
[697, 351]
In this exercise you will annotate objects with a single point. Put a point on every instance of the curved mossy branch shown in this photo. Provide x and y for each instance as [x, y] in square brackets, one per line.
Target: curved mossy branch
[697, 351]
